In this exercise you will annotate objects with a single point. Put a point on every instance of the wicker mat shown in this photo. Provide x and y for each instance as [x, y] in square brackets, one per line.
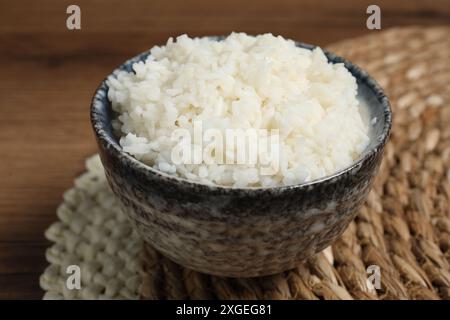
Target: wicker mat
[404, 227]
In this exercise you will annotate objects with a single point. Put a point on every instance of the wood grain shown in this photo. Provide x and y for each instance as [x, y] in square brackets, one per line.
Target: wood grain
[48, 75]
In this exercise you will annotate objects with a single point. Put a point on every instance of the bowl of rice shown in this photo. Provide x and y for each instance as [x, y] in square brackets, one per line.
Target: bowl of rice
[242, 155]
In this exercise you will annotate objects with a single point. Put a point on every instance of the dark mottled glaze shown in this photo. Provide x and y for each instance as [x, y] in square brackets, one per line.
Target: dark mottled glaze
[240, 232]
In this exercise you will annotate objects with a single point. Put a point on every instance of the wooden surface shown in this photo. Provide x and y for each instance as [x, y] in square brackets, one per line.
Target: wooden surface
[48, 75]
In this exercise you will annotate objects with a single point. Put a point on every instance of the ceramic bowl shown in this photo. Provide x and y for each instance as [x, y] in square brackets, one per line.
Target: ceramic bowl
[240, 232]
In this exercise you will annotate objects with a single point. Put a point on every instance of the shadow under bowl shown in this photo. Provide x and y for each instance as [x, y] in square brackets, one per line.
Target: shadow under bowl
[240, 232]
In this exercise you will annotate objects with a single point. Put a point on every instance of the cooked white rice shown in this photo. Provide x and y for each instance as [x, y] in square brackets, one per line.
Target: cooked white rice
[242, 82]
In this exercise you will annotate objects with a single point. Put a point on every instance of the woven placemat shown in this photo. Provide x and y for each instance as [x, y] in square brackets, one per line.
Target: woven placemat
[95, 235]
[404, 227]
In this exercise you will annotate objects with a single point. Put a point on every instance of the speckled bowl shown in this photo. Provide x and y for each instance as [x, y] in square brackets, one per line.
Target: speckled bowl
[240, 232]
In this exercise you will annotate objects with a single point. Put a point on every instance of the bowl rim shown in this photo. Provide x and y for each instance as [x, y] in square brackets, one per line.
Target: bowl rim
[108, 142]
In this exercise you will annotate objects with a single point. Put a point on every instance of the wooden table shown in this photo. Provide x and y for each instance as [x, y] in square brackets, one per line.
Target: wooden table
[48, 75]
